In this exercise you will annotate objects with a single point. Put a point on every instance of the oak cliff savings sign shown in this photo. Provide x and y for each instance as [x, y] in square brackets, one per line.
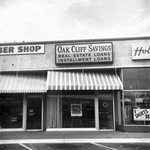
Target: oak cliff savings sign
[21, 49]
[83, 53]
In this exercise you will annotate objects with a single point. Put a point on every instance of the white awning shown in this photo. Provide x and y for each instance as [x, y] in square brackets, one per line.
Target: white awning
[22, 83]
[83, 81]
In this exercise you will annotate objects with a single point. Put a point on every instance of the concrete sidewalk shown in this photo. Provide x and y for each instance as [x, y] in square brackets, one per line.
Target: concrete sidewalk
[73, 137]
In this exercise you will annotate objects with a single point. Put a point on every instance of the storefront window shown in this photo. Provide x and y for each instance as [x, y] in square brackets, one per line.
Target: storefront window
[78, 112]
[137, 108]
[71, 109]
[136, 96]
[11, 108]
[136, 78]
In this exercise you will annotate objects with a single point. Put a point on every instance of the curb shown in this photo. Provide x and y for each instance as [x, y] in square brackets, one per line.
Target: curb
[93, 140]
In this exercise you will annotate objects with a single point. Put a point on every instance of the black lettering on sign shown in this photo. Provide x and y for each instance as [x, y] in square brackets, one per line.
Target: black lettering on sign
[28, 49]
[63, 49]
[37, 48]
[6, 49]
[11, 49]
[138, 51]
[20, 49]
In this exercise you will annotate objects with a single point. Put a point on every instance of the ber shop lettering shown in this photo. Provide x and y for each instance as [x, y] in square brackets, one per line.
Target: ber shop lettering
[83, 53]
[21, 49]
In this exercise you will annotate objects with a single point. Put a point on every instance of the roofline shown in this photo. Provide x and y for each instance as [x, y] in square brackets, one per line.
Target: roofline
[79, 40]
[74, 68]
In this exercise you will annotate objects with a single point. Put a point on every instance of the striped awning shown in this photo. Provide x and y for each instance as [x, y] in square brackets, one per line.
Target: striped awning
[83, 81]
[22, 83]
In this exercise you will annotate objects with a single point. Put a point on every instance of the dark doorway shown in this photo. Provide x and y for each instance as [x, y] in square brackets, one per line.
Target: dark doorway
[106, 119]
[34, 111]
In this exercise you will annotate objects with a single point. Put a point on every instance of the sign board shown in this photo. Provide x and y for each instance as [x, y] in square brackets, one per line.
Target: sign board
[141, 114]
[84, 53]
[22, 49]
[76, 110]
[140, 51]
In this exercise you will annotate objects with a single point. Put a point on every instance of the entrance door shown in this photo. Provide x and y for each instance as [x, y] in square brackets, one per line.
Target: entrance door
[34, 111]
[106, 119]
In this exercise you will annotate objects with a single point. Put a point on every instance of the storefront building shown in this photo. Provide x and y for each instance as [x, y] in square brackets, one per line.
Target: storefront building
[82, 85]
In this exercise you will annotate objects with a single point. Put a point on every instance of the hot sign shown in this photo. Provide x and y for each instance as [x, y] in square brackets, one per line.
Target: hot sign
[140, 51]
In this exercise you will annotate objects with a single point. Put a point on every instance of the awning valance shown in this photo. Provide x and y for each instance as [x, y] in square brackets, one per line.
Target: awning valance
[83, 81]
[22, 83]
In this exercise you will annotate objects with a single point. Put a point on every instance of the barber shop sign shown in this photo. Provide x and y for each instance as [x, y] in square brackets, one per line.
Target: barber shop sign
[22, 49]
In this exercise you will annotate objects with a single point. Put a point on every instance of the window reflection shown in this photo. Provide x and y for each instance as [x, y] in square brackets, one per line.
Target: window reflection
[11, 112]
[137, 107]
[136, 96]
[78, 112]
[137, 78]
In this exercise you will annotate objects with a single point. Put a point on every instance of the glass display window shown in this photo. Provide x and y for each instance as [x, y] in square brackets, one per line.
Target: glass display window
[11, 110]
[136, 96]
[137, 107]
[136, 79]
[72, 109]
[78, 112]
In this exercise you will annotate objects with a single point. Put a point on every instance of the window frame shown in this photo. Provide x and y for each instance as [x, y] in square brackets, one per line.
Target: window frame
[130, 90]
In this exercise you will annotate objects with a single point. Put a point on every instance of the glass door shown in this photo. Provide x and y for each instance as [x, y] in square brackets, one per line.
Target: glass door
[34, 111]
[106, 117]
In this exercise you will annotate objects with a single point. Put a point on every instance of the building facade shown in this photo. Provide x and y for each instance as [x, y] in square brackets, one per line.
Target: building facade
[82, 85]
